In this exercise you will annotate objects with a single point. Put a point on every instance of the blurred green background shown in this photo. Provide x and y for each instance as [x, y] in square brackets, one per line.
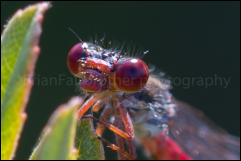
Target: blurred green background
[185, 40]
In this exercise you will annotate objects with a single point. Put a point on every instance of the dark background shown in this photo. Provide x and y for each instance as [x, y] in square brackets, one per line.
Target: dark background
[185, 39]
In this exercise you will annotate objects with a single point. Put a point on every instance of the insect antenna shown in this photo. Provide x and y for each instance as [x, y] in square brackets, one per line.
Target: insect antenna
[76, 35]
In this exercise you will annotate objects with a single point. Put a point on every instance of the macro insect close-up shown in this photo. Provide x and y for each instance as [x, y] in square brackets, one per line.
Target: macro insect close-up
[121, 86]
[145, 86]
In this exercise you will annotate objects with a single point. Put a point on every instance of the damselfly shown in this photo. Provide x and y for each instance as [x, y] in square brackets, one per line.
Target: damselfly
[141, 106]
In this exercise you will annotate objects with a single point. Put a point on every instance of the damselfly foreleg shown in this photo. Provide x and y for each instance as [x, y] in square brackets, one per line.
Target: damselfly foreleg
[88, 103]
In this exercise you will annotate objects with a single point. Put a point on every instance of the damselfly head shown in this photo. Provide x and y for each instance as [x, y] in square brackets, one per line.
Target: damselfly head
[106, 69]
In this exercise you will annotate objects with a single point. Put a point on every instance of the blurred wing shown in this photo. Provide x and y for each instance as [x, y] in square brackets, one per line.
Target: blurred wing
[199, 137]
[155, 112]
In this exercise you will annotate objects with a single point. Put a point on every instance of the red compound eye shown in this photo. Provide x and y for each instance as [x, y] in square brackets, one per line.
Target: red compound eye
[75, 54]
[131, 75]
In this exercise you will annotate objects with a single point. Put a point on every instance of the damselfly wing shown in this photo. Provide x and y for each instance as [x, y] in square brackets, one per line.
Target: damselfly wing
[166, 125]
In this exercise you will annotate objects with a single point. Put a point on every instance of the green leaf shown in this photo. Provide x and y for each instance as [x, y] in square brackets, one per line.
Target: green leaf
[19, 52]
[57, 139]
[63, 133]
[88, 145]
